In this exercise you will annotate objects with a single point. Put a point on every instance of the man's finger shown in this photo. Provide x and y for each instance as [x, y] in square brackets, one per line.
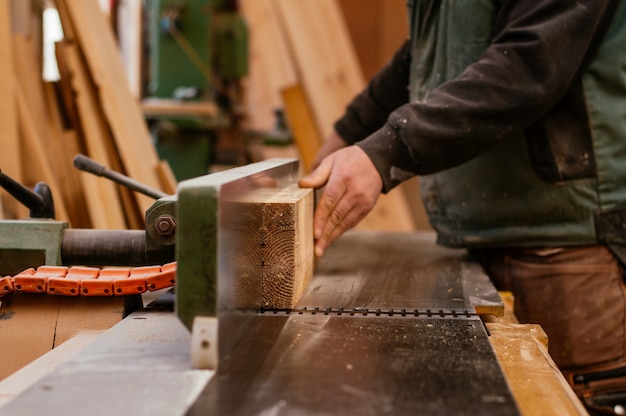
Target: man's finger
[319, 176]
[344, 223]
[326, 206]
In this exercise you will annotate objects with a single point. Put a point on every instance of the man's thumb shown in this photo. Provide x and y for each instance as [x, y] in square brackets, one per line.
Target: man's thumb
[318, 177]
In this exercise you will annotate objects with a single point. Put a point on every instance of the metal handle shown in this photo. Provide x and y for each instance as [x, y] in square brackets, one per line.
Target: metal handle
[39, 201]
[86, 164]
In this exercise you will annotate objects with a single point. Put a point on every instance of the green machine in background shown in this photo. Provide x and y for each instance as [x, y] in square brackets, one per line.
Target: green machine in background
[198, 52]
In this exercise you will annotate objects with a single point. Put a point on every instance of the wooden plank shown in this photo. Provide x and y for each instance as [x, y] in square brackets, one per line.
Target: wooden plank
[27, 61]
[19, 381]
[537, 384]
[101, 195]
[273, 232]
[27, 328]
[10, 158]
[34, 324]
[38, 166]
[324, 57]
[376, 30]
[168, 179]
[301, 124]
[129, 30]
[122, 111]
[65, 143]
[522, 351]
[157, 107]
[328, 69]
[271, 67]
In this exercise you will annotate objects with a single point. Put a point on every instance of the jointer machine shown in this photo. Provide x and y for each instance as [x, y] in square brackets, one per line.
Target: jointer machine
[384, 323]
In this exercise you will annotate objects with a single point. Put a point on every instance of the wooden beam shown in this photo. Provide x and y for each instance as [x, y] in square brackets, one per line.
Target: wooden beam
[273, 235]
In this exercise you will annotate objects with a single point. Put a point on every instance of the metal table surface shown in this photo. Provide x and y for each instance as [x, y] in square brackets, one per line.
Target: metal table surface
[386, 326]
[362, 365]
[394, 332]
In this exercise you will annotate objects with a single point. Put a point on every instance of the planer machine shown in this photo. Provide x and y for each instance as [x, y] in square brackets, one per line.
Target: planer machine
[384, 323]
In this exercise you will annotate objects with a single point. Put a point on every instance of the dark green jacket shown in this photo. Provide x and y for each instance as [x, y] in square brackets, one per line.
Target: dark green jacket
[514, 116]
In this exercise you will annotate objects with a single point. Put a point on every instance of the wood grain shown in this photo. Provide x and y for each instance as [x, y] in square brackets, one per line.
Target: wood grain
[272, 246]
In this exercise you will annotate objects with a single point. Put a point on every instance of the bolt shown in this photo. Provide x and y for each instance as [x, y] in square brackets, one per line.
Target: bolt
[165, 225]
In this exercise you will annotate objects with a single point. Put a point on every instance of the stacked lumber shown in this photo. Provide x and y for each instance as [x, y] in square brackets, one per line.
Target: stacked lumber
[89, 110]
[302, 59]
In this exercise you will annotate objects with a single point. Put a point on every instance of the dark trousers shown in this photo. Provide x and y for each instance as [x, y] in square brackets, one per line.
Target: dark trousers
[578, 296]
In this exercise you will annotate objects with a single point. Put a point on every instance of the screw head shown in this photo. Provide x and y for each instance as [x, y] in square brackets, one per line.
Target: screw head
[165, 225]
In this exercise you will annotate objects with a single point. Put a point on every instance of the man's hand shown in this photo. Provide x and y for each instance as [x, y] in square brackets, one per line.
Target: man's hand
[352, 187]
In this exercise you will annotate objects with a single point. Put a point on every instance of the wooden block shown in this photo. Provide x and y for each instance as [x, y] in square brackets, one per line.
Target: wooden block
[272, 246]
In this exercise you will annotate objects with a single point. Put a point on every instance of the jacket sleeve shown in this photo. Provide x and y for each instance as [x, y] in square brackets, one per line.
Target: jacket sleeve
[386, 91]
[535, 55]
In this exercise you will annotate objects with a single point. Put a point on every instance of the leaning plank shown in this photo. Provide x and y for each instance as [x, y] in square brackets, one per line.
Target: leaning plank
[169, 181]
[329, 72]
[65, 145]
[301, 124]
[323, 55]
[271, 67]
[102, 199]
[122, 111]
[273, 236]
[39, 167]
[27, 61]
[10, 159]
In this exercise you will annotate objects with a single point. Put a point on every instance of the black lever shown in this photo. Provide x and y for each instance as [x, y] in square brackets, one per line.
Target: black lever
[86, 164]
[39, 201]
